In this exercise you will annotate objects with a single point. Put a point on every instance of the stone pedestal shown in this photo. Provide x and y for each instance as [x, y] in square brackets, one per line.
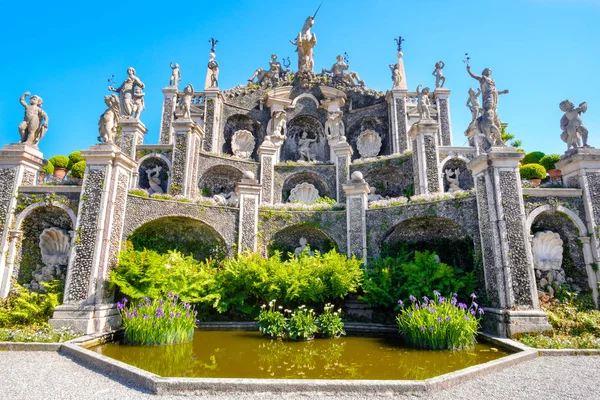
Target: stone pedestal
[213, 104]
[166, 120]
[19, 165]
[133, 131]
[397, 99]
[268, 158]
[187, 144]
[87, 305]
[425, 156]
[442, 99]
[343, 157]
[356, 191]
[506, 253]
[248, 190]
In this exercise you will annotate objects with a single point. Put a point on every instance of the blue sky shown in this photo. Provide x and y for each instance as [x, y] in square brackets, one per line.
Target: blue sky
[543, 51]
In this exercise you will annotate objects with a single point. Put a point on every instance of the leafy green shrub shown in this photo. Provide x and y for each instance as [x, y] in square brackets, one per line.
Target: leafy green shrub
[23, 307]
[48, 168]
[325, 200]
[330, 322]
[150, 323]
[139, 192]
[37, 334]
[532, 171]
[271, 323]
[302, 324]
[78, 170]
[532, 158]
[439, 323]
[549, 161]
[74, 158]
[60, 162]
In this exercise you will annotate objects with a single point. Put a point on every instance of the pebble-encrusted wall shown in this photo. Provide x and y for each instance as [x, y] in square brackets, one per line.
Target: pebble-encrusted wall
[391, 177]
[287, 176]
[7, 181]
[220, 174]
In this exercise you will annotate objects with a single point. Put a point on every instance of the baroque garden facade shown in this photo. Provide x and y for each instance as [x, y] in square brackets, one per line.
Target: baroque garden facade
[259, 167]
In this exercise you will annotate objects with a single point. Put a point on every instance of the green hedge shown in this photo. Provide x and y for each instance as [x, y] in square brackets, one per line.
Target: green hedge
[74, 158]
[48, 168]
[60, 162]
[533, 158]
[532, 171]
[78, 170]
[549, 161]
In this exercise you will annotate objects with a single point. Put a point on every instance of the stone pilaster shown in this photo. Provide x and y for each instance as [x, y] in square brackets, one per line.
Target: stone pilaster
[213, 104]
[133, 131]
[168, 111]
[425, 156]
[343, 156]
[506, 253]
[248, 191]
[186, 154]
[442, 99]
[356, 191]
[19, 165]
[87, 305]
[268, 158]
[397, 100]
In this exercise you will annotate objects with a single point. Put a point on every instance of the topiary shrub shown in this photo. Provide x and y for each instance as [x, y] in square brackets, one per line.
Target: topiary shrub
[74, 158]
[60, 162]
[532, 171]
[78, 170]
[549, 161]
[48, 168]
[533, 158]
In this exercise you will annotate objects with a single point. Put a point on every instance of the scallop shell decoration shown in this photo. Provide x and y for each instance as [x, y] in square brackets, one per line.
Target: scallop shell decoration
[547, 251]
[55, 246]
[304, 192]
[368, 144]
[242, 144]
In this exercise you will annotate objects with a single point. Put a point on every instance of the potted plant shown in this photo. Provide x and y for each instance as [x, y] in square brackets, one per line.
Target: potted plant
[534, 173]
[532, 158]
[61, 166]
[78, 170]
[549, 162]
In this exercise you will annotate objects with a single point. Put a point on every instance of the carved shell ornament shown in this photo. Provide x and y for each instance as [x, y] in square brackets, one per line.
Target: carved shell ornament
[242, 143]
[547, 251]
[304, 192]
[368, 144]
[55, 246]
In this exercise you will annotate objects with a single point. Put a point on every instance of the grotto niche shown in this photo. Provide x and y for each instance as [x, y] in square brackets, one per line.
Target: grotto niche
[391, 180]
[376, 124]
[237, 123]
[219, 179]
[287, 240]
[463, 175]
[154, 174]
[189, 236]
[305, 127]
[308, 177]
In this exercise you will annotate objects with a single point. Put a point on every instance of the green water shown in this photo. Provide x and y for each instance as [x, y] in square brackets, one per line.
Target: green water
[241, 354]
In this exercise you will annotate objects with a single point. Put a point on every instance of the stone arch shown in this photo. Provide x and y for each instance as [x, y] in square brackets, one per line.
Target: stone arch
[287, 239]
[309, 177]
[219, 179]
[153, 160]
[377, 124]
[238, 122]
[568, 213]
[188, 235]
[305, 96]
[465, 177]
[23, 214]
[314, 129]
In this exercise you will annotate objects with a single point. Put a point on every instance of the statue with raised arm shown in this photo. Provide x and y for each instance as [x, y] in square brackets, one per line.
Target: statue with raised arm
[109, 120]
[273, 74]
[305, 42]
[439, 74]
[473, 103]
[175, 75]
[304, 147]
[213, 66]
[339, 76]
[572, 124]
[488, 88]
[423, 104]
[126, 92]
[35, 123]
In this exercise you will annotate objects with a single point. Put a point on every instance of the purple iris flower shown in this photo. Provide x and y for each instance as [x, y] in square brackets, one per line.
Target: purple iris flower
[448, 318]
[422, 329]
[467, 318]
[412, 298]
[400, 303]
[473, 296]
[462, 305]
[453, 301]
[145, 316]
[440, 319]
[120, 306]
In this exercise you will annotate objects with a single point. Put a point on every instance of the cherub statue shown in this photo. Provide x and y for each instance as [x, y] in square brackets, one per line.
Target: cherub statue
[154, 179]
[572, 125]
[304, 147]
[439, 74]
[452, 178]
[185, 102]
[109, 120]
[473, 103]
[334, 126]
[126, 91]
[423, 104]
[138, 103]
[213, 66]
[175, 75]
[303, 248]
[35, 123]
[396, 77]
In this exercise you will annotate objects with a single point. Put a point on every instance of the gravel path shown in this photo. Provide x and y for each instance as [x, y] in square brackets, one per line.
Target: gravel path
[48, 375]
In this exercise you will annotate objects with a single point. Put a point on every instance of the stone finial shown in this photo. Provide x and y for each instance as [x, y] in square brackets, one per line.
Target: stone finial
[248, 175]
[357, 176]
[35, 123]
[573, 130]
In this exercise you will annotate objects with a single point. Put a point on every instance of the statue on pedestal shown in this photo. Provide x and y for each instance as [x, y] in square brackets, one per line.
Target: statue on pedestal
[109, 120]
[304, 147]
[35, 123]
[340, 77]
[126, 92]
[273, 75]
[334, 126]
[213, 66]
[473, 103]
[175, 75]
[423, 105]
[396, 76]
[138, 103]
[452, 178]
[185, 102]
[154, 180]
[305, 42]
[439, 74]
[277, 126]
[572, 124]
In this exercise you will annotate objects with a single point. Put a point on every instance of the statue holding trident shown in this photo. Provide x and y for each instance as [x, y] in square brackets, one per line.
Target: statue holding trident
[305, 42]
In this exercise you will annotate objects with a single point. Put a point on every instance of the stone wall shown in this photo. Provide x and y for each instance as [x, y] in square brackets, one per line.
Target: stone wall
[391, 176]
[220, 174]
[288, 176]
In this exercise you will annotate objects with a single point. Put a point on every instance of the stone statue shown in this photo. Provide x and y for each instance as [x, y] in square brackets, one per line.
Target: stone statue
[213, 66]
[277, 126]
[175, 75]
[273, 75]
[396, 76]
[340, 76]
[439, 74]
[452, 178]
[572, 125]
[35, 123]
[154, 179]
[109, 120]
[373, 196]
[304, 147]
[304, 247]
[185, 102]
[334, 126]
[138, 103]
[126, 91]
[423, 105]
[473, 104]
[305, 42]
[487, 88]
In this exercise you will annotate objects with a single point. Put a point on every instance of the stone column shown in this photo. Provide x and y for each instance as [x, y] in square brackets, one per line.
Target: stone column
[19, 165]
[356, 191]
[133, 131]
[87, 305]
[248, 191]
[14, 240]
[442, 99]
[268, 158]
[186, 155]
[425, 156]
[212, 118]
[506, 253]
[343, 158]
[397, 100]
[168, 110]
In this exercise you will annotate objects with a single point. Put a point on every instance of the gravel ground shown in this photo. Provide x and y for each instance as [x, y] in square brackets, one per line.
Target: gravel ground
[48, 375]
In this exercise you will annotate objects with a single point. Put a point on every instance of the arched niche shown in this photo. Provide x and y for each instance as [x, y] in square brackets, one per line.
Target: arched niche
[219, 179]
[390, 180]
[465, 177]
[151, 162]
[308, 177]
[377, 124]
[288, 239]
[189, 236]
[239, 122]
[314, 129]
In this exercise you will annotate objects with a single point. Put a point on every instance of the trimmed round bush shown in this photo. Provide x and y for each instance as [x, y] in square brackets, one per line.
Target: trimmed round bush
[549, 161]
[74, 158]
[78, 170]
[533, 158]
[532, 171]
[60, 162]
[48, 168]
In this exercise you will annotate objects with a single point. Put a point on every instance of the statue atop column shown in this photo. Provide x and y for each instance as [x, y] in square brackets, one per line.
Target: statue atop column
[572, 124]
[423, 104]
[212, 72]
[109, 120]
[439, 74]
[339, 76]
[126, 92]
[305, 42]
[175, 75]
[274, 74]
[35, 123]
